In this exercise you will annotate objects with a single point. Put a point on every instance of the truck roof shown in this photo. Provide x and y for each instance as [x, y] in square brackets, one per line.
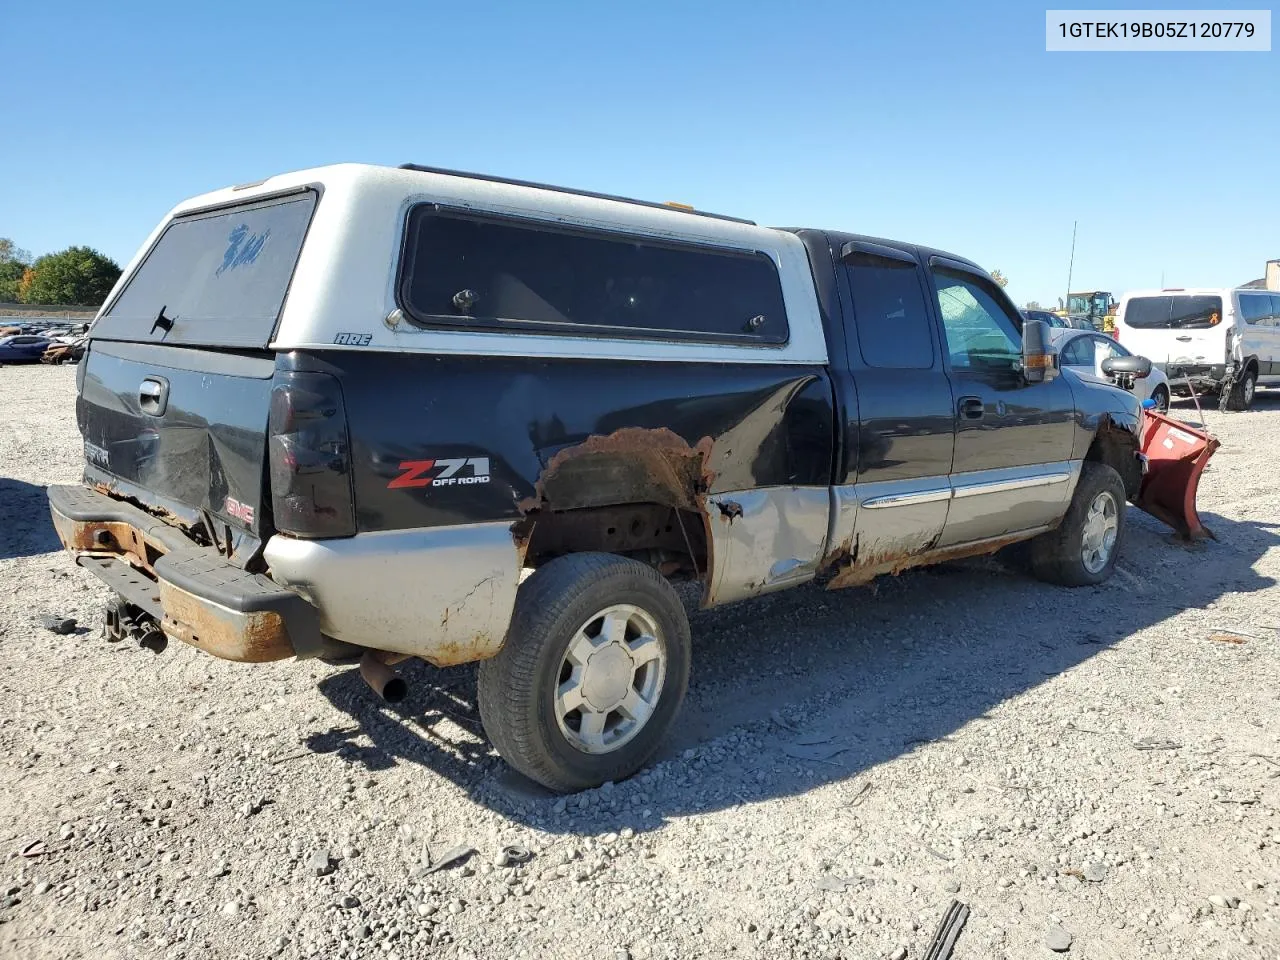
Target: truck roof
[1186, 292]
[519, 196]
[839, 238]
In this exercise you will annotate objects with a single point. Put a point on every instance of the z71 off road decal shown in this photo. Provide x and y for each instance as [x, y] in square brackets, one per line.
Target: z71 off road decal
[445, 472]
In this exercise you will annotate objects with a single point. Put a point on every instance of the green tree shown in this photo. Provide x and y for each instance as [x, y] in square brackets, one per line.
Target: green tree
[13, 262]
[77, 275]
[999, 277]
[10, 276]
[1033, 305]
[10, 252]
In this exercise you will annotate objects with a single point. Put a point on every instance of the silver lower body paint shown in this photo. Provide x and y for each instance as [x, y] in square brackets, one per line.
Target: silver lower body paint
[444, 594]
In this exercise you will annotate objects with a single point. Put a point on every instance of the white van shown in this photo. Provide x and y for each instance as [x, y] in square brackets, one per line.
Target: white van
[1223, 341]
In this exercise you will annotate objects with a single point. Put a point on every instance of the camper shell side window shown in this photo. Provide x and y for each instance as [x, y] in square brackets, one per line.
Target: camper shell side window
[494, 273]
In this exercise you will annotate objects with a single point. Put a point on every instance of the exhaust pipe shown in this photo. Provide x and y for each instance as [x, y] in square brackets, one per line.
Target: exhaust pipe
[384, 681]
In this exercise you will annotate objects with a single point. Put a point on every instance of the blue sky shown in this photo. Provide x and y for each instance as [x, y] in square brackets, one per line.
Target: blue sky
[947, 124]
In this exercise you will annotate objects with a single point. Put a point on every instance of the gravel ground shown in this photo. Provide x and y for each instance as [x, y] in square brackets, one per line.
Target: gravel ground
[1098, 767]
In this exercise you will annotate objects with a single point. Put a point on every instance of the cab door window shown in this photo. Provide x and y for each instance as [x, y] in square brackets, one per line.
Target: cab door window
[981, 336]
[889, 306]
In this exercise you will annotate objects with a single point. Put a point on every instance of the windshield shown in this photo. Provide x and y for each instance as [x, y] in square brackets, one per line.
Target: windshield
[1078, 305]
[217, 278]
[1173, 313]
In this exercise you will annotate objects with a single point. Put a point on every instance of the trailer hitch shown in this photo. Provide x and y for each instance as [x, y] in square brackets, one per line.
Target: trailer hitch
[124, 620]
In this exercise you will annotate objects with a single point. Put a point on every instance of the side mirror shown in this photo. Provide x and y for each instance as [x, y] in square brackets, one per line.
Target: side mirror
[1039, 363]
[1136, 367]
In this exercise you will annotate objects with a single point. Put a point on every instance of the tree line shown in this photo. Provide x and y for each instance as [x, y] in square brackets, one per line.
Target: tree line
[79, 276]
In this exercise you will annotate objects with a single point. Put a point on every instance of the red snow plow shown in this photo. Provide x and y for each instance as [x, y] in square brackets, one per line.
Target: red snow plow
[1176, 455]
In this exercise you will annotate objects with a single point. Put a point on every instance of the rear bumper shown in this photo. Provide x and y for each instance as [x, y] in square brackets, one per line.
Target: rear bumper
[192, 591]
[444, 594]
[1201, 375]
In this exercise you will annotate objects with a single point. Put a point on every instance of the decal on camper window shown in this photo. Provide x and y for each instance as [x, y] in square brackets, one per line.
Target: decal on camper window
[242, 247]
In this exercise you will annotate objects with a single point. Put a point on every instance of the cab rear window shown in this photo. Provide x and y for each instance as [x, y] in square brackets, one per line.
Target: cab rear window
[217, 278]
[491, 273]
[1173, 313]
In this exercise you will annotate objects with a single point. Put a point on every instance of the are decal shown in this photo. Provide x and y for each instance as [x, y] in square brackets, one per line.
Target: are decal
[444, 472]
[353, 339]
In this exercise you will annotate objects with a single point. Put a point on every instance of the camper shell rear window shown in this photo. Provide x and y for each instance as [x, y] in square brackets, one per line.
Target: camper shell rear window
[1191, 312]
[215, 278]
[482, 272]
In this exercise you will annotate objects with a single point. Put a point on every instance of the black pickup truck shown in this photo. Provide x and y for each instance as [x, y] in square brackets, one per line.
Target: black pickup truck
[367, 414]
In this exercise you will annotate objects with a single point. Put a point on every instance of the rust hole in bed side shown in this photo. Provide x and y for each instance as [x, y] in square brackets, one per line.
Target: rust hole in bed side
[630, 465]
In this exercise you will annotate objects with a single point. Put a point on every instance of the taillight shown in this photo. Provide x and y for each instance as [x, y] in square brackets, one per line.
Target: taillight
[1115, 333]
[310, 457]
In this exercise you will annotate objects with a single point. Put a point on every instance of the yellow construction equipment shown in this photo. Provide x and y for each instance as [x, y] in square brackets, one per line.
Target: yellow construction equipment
[1097, 307]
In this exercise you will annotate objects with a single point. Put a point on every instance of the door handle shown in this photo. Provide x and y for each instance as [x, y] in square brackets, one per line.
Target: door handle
[153, 395]
[972, 408]
[1183, 339]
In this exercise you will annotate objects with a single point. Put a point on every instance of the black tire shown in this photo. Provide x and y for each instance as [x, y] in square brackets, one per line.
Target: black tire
[1058, 555]
[517, 688]
[1243, 390]
[1161, 396]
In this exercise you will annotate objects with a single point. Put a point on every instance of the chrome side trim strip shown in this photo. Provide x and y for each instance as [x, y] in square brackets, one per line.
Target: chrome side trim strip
[907, 499]
[1017, 483]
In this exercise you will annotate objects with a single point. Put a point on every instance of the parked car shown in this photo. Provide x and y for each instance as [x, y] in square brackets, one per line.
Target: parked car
[22, 348]
[564, 402]
[1049, 319]
[1216, 340]
[60, 351]
[1083, 352]
[1054, 321]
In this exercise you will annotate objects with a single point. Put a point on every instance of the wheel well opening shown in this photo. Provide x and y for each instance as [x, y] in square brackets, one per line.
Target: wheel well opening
[669, 539]
[1117, 448]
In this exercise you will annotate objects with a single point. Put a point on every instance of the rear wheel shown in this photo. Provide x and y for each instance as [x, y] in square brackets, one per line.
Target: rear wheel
[1082, 551]
[593, 671]
[1242, 391]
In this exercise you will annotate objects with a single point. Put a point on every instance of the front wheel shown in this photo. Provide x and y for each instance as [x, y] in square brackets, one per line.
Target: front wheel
[1241, 395]
[1083, 549]
[594, 668]
[1161, 396]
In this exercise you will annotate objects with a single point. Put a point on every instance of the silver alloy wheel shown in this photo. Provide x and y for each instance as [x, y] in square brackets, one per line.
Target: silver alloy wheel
[1162, 400]
[1246, 390]
[1100, 528]
[610, 679]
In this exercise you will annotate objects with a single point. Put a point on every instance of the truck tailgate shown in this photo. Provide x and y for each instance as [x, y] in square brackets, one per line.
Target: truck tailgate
[184, 428]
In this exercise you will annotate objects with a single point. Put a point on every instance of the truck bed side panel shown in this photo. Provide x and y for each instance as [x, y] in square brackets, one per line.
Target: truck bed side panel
[440, 440]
